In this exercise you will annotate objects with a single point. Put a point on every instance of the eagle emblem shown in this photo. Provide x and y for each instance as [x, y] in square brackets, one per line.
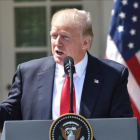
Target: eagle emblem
[71, 133]
[70, 127]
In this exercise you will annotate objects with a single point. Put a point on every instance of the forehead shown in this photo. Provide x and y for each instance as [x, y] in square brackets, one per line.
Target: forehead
[66, 29]
[61, 28]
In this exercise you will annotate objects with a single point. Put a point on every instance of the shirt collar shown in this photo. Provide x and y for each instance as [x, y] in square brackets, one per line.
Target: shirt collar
[79, 68]
[59, 70]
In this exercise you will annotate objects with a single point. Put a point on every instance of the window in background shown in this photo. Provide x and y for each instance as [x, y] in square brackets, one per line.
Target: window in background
[32, 26]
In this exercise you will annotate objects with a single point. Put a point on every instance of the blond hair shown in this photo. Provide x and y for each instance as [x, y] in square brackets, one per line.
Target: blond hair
[75, 18]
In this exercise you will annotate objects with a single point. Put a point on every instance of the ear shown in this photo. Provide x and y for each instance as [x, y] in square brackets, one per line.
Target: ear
[86, 42]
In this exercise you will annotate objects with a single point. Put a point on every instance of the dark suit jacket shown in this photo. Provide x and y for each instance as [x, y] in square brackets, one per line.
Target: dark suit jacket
[30, 97]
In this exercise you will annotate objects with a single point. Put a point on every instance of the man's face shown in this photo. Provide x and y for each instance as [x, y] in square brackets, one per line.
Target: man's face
[67, 41]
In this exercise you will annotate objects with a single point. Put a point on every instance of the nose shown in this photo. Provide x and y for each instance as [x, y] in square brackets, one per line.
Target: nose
[58, 41]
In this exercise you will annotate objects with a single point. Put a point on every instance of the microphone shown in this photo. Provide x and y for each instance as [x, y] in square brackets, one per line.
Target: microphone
[70, 70]
[69, 65]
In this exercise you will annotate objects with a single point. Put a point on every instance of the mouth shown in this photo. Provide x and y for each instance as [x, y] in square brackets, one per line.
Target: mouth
[59, 52]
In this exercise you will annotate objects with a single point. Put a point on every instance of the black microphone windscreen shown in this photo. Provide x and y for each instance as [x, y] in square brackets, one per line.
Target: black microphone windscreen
[69, 62]
[67, 59]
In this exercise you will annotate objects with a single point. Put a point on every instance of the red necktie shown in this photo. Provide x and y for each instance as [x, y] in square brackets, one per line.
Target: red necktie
[65, 97]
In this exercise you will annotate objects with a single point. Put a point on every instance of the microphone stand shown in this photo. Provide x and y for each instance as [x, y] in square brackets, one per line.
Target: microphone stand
[71, 86]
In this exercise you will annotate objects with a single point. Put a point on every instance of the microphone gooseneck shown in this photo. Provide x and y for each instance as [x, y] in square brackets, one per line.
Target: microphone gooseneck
[70, 70]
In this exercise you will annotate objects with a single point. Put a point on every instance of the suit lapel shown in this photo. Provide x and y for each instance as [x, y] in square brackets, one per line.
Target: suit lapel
[91, 87]
[45, 88]
[89, 93]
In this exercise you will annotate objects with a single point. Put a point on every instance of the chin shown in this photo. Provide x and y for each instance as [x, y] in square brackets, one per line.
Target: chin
[59, 61]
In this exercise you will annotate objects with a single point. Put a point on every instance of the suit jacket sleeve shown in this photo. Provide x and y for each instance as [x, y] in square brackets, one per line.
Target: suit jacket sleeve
[120, 104]
[10, 109]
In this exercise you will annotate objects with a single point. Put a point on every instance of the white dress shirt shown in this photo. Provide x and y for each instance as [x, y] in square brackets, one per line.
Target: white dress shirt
[78, 79]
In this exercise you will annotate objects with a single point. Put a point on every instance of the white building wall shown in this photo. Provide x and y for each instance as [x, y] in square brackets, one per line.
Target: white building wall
[0, 62]
[106, 7]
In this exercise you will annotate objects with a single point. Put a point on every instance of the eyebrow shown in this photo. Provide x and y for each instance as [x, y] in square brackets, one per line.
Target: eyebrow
[62, 32]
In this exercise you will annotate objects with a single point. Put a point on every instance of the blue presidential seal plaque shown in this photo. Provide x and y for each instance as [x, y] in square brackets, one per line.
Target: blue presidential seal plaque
[71, 127]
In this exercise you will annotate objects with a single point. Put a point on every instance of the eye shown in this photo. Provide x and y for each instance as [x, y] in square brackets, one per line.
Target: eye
[54, 36]
[65, 37]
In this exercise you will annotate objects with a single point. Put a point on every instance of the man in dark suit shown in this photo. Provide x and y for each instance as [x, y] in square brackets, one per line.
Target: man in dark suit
[100, 85]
